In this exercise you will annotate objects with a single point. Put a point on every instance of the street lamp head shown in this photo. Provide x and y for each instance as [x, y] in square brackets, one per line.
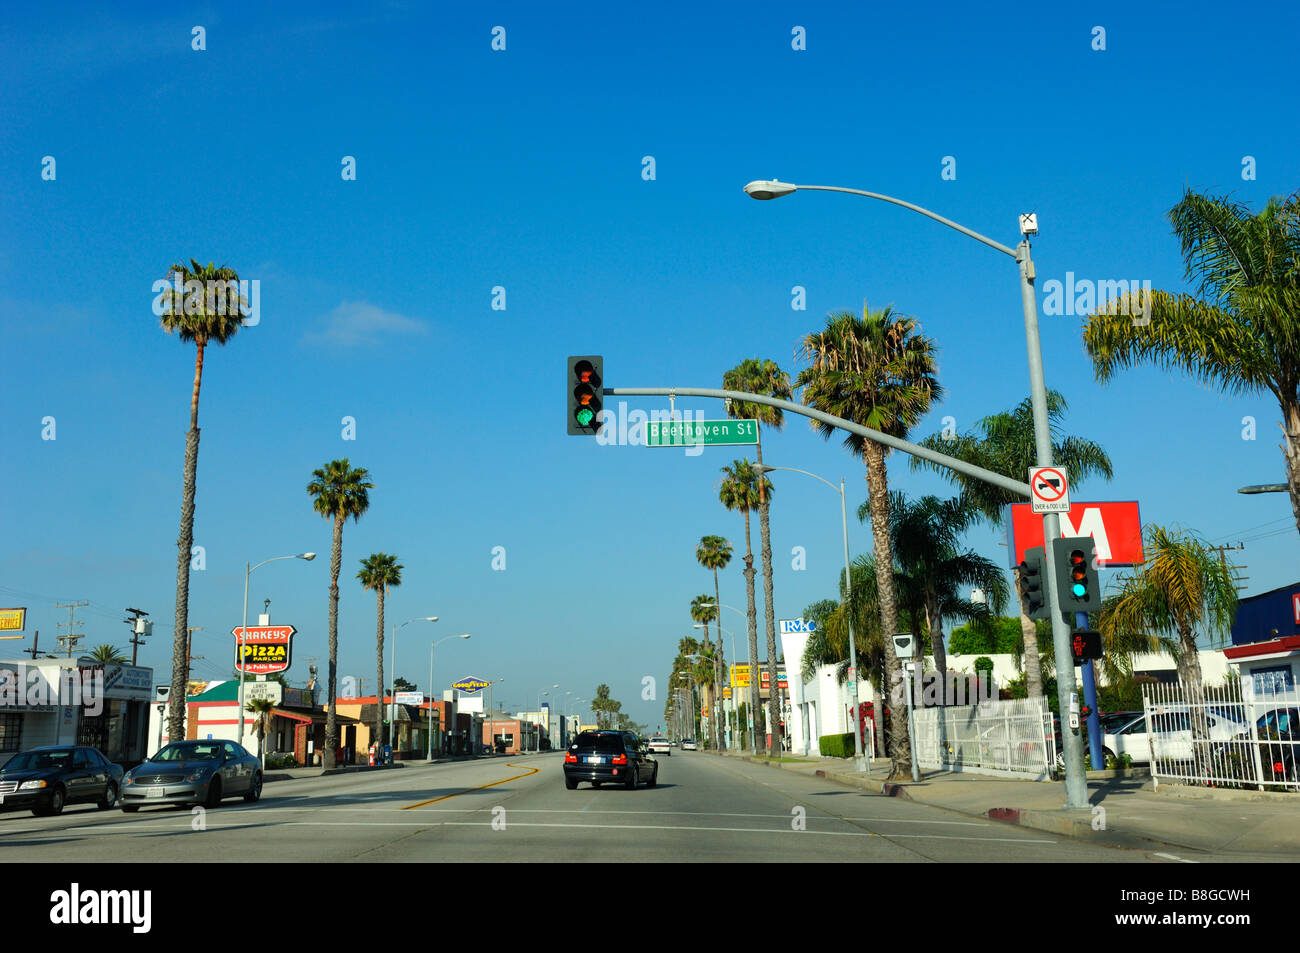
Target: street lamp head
[307, 556]
[761, 468]
[768, 189]
[463, 635]
[431, 618]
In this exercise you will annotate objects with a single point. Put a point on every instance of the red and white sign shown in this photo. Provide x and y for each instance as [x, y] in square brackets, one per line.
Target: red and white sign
[1116, 529]
[263, 649]
[1049, 489]
[1295, 604]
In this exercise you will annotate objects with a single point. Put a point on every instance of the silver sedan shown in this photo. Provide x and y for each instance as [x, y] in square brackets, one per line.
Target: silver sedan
[193, 772]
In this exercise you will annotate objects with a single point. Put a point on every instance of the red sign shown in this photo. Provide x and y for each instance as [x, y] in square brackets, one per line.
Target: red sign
[263, 649]
[1116, 529]
[1295, 605]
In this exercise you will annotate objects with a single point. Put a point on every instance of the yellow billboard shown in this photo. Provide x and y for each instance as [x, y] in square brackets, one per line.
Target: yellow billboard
[740, 676]
[13, 620]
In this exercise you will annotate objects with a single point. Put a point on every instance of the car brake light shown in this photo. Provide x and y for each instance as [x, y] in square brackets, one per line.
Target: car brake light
[619, 759]
[570, 758]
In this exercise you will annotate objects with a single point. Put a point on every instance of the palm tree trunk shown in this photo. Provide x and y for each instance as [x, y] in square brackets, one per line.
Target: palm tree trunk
[1029, 632]
[1189, 673]
[719, 661]
[1291, 448]
[753, 635]
[769, 610]
[332, 713]
[878, 715]
[379, 657]
[184, 546]
[878, 502]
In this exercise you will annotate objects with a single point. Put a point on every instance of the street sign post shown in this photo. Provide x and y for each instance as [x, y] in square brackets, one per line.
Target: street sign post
[700, 433]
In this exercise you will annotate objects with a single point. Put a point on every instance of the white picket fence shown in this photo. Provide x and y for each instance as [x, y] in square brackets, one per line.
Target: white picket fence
[1231, 736]
[1013, 737]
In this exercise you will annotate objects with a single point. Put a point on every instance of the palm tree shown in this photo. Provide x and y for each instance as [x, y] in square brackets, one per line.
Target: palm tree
[927, 544]
[740, 491]
[877, 372]
[380, 572]
[107, 654]
[1242, 334]
[755, 376]
[1004, 443]
[339, 491]
[1181, 587]
[194, 318]
[262, 717]
[714, 552]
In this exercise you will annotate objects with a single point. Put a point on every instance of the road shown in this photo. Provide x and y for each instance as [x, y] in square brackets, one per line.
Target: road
[705, 808]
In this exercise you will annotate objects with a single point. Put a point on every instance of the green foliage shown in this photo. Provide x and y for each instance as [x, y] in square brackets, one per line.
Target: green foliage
[984, 664]
[837, 746]
[997, 635]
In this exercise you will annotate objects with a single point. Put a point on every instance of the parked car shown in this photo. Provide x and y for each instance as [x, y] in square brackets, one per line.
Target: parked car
[1173, 731]
[45, 779]
[193, 772]
[661, 746]
[609, 757]
[1279, 733]
[688, 744]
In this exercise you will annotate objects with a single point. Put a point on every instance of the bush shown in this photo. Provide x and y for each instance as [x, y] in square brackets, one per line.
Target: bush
[837, 746]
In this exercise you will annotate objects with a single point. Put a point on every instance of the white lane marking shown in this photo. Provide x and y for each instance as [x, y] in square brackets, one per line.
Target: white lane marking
[1174, 857]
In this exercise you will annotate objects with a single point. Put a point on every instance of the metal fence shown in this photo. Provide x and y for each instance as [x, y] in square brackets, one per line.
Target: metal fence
[1231, 736]
[1010, 737]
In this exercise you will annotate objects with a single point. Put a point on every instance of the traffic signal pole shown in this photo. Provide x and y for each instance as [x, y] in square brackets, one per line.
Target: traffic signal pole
[1090, 699]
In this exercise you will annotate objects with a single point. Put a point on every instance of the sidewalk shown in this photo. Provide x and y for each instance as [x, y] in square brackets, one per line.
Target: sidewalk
[1126, 812]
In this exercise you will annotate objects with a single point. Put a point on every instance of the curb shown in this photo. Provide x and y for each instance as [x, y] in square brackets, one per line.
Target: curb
[1191, 793]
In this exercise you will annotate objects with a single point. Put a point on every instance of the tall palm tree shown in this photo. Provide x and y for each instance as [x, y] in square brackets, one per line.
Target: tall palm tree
[756, 376]
[338, 491]
[703, 611]
[107, 654]
[1181, 588]
[876, 371]
[1004, 443]
[380, 572]
[740, 491]
[190, 317]
[714, 553]
[1242, 334]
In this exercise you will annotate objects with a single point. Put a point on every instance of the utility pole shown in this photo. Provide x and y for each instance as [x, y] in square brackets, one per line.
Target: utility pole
[189, 646]
[34, 652]
[139, 631]
[73, 636]
[1223, 560]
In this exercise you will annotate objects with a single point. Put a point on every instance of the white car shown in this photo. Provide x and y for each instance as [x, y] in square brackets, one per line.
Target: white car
[1173, 735]
[661, 746]
[688, 744]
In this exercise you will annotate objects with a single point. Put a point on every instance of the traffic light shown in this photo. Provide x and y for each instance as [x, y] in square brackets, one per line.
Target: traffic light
[1033, 592]
[1085, 645]
[584, 384]
[1077, 586]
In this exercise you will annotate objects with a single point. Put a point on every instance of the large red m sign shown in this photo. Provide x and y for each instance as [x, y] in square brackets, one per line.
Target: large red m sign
[1116, 530]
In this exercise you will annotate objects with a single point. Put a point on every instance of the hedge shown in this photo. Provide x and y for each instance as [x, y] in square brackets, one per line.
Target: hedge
[837, 746]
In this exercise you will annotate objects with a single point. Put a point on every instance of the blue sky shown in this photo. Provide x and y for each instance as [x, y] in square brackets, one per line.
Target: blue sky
[522, 169]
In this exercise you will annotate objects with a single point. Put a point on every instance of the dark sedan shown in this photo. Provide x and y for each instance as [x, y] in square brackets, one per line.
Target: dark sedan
[610, 757]
[193, 772]
[44, 779]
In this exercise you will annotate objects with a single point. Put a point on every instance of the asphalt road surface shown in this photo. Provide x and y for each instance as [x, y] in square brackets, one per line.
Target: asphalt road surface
[705, 808]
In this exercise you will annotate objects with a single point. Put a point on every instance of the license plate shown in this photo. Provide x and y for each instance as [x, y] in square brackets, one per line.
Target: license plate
[595, 761]
[154, 792]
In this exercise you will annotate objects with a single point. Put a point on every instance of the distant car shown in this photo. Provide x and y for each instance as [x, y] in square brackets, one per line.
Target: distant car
[193, 772]
[43, 780]
[609, 757]
[688, 744]
[661, 746]
[1173, 735]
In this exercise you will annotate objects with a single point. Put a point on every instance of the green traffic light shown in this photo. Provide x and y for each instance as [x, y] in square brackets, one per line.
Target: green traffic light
[1080, 590]
[584, 416]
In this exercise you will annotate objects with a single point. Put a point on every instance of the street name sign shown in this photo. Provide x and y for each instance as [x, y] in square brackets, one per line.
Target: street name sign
[700, 433]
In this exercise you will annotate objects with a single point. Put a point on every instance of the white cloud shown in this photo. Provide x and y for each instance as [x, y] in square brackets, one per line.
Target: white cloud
[358, 323]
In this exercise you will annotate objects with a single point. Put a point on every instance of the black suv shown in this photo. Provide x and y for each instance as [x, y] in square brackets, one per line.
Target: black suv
[610, 757]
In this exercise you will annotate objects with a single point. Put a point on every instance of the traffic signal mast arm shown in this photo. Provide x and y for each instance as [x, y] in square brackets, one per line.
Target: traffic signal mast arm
[961, 466]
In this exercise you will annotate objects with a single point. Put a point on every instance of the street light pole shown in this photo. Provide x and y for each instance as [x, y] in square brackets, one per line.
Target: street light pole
[432, 646]
[243, 637]
[1076, 787]
[392, 701]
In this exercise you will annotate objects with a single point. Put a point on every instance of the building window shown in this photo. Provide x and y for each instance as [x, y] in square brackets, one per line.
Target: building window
[1272, 680]
[10, 732]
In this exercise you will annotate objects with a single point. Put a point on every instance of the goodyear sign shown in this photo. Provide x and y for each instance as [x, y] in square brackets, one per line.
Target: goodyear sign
[12, 620]
[470, 685]
[263, 649]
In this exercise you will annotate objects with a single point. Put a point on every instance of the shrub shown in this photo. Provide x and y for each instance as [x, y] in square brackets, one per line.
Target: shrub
[837, 746]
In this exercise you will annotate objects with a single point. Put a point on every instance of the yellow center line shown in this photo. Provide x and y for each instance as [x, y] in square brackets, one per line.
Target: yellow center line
[435, 800]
